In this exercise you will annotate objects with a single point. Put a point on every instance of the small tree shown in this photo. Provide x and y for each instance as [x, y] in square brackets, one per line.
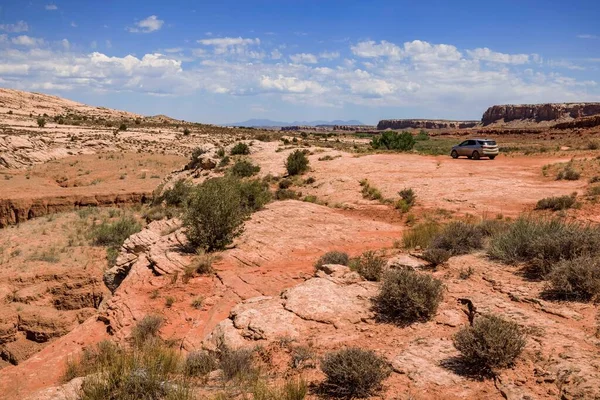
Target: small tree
[41, 122]
[122, 127]
[297, 163]
[240, 149]
[186, 131]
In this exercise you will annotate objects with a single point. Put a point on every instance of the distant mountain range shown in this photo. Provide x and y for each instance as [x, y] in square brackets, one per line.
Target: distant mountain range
[270, 123]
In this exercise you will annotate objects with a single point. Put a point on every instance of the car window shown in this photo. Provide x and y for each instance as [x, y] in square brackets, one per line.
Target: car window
[471, 143]
[488, 142]
[466, 142]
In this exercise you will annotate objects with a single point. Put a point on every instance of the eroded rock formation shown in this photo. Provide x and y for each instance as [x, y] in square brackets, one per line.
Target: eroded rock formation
[539, 112]
[424, 124]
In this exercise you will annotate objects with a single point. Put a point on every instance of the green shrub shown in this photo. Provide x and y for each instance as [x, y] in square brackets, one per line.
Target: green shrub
[237, 363]
[122, 127]
[556, 203]
[353, 373]
[568, 174]
[285, 183]
[370, 192]
[113, 234]
[390, 140]
[408, 195]
[436, 257]
[543, 242]
[240, 148]
[220, 152]
[224, 162]
[593, 191]
[186, 131]
[332, 257]
[422, 136]
[215, 214]
[196, 158]
[406, 296]
[200, 363]
[175, 196]
[41, 122]
[369, 265]
[458, 238]
[286, 194]
[146, 329]
[255, 194]
[577, 279]
[491, 343]
[296, 163]
[138, 121]
[244, 169]
[421, 235]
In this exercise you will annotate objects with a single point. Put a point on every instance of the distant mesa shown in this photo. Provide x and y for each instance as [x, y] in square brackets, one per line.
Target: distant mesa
[550, 112]
[267, 123]
[424, 124]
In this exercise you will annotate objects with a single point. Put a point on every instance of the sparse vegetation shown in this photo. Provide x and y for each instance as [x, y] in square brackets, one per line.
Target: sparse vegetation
[543, 242]
[407, 200]
[332, 257]
[491, 343]
[240, 148]
[577, 279]
[369, 265]
[200, 363]
[176, 196]
[353, 373]
[370, 192]
[146, 329]
[186, 132]
[237, 364]
[458, 238]
[557, 203]
[568, 173]
[122, 127]
[421, 235]
[390, 140]
[406, 296]
[296, 163]
[113, 234]
[244, 169]
[436, 256]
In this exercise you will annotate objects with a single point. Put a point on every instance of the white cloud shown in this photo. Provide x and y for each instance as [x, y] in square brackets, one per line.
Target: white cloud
[276, 54]
[73, 24]
[20, 26]
[229, 42]
[370, 49]
[234, 46]
[290, 84]
[485, 54]
[304, 58]
[108, 44]
[65, 44]
[148, 25]
[27, 41]
[174, 50]
[588, 36]
[51, 7]
[327, 55]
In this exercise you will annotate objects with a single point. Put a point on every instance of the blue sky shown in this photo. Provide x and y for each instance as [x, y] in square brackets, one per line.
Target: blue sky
[288, 60]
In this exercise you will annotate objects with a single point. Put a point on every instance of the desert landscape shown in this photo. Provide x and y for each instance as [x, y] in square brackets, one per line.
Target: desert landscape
[186, 260]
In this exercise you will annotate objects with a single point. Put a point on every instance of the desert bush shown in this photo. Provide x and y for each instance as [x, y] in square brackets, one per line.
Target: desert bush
[200, 363]
[353, 373]
[196, 158]
[593, 145]
[113, 234]
[237, 363]
[41, 122]
[595, 179]
[146, 329]
[490, 227]
[186, 131]
[332, 257]
[244, 169]
[556, 203]
[491, 343]
[138, 121]
[122, 127]
[215, 214]
[224, 162]
[201, 264]
[391, 140]
[543, 242]
[436, 257]
[568, 174]
[255, 194]
[292, 389]
[286, 194]
[406, 296]
[422, 136]
[220, 152]
[303, 357]
[421, 235]
[370, 192]
[369, 265]
[240, 148]
[285, 183]
[577, 279]
[156, 213]
[176, 196]
[593, 191]
[458, 238]
[296, 163]
[408, 195]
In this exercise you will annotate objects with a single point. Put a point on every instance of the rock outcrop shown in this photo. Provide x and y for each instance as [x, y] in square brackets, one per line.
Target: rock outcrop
[424, 124]
[14, 211]
[539, 112]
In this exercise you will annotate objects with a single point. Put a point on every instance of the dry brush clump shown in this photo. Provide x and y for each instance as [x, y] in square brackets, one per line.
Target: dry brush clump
[577, 279]
[458, 238]
[369, 265]
[406, 296]
[490, 343]
[296, 163]
[353, 373]
[332, 257]
[557, 203]
[421, 235]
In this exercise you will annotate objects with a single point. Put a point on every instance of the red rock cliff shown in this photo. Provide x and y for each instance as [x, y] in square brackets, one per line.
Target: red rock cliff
[539, 112]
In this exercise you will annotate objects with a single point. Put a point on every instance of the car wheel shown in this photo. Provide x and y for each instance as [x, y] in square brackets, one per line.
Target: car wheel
[454, 154]
[475, 155]
[492, 157]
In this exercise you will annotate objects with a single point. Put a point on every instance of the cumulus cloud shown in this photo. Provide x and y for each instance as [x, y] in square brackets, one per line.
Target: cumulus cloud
[233, 46]
[51, 7]
[147, 25]
[27, 41]
[304, 58]
[19, 26]
[370, 49]
[329, 55]
[485, 54]
[229, 42]
[276, 54]
[290, 84]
